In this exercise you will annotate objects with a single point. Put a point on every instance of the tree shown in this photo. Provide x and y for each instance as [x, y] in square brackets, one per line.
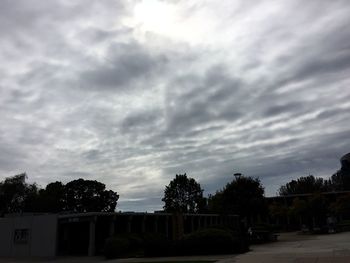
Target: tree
[215, 204]
[318, 206]
[300, 209]
[89, 196]
[51, 199]
[243, 196]
[340, 181]
[341, 207]
[183, 194]
[80, 195]
[16, 195]
[278, 211]
[303, 185]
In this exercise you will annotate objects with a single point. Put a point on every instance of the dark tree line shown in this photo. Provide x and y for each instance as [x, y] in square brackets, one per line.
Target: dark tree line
[315, 205]
[242, 196]
[17, 196]
[245, 196]
[340, 181]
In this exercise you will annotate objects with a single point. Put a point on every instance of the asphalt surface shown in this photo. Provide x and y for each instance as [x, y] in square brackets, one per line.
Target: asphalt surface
[290, 247]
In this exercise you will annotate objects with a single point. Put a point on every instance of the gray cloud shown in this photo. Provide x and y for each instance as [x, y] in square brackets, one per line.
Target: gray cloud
[125, 64]
[88, 91]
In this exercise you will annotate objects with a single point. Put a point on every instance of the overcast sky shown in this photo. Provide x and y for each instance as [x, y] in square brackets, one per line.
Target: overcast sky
[131, 93]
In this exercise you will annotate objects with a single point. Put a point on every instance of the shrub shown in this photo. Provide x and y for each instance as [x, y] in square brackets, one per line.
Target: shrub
[156, 244]
[207, 241]
[135, 242]
[116, 247]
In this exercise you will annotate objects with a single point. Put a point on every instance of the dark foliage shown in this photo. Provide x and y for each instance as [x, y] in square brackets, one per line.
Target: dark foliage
[208, 241]
[183, 194]
[340, 181]
[116, 247]
[17, 196]
[157, 245]
[341, 206]
[203, 242]
[303, 185]
[243, 196]
[89, 196]
[52, 198]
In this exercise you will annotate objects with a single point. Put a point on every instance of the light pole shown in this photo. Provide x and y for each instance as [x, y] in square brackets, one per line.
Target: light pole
[237, 175]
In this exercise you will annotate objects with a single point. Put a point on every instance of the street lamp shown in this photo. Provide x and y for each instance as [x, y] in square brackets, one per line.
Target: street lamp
[237, 175]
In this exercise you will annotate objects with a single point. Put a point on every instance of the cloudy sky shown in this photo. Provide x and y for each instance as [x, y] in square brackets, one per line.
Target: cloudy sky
[132, 92]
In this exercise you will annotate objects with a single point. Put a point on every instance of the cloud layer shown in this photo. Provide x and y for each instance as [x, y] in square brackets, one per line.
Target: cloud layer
[132, 92]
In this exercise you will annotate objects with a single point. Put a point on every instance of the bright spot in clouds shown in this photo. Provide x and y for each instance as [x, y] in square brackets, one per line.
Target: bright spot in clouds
[131, 93]
[167, 19]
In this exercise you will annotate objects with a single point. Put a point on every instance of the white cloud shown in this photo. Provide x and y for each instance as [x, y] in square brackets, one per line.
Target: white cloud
[133, 92]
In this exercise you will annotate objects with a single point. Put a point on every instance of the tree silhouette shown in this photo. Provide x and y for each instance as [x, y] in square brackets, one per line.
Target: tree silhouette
[183, 194]
[89, 196]
[243, 196]
[16, 195]
[304, 185]
[52, 198]
[341, 206]
[278, 210]
[300, 208]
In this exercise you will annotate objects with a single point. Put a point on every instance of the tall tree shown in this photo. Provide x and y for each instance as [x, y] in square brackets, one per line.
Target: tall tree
[183, 194]
[52, 199]
[340, 181]
[89, 196]
[243, 196]
[16, 195]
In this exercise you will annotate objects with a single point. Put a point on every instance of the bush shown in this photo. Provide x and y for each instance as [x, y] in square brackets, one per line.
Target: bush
[116, 247]
[207, 241]
[124, 245]
[202, 242]
[156, 244]
[135, 242]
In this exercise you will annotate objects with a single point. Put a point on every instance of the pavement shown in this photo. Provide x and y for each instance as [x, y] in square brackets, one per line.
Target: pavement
[297, 248]
[290, 247]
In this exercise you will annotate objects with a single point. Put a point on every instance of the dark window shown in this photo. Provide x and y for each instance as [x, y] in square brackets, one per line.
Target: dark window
[21, 236]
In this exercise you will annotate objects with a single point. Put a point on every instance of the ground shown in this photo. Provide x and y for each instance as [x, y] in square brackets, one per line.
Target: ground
[291, 247]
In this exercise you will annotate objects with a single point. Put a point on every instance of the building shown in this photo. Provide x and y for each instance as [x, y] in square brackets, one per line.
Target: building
[42, 235]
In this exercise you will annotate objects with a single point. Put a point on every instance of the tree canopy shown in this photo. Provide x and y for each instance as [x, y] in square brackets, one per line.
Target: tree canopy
[183, 194]
[17, 196]
[88, 196]
[340, 181]
[243, 196]
[304, 185]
